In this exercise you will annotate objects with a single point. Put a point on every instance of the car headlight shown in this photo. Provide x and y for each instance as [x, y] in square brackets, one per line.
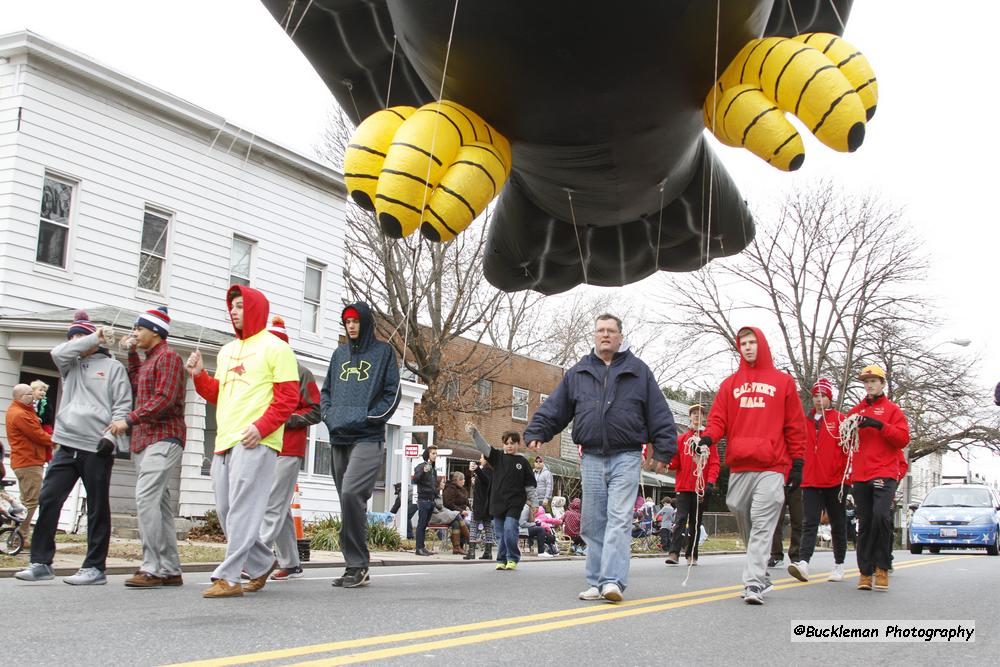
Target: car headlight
[919, 520]
[981, 520]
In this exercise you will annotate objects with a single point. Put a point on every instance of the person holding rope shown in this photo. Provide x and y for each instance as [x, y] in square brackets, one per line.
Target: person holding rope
[882, 435]
[690, 482]
[757, 409]
[616, 405]
[822, 483]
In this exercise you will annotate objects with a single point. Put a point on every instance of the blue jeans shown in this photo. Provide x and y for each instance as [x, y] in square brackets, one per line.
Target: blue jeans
[610, 485]
[425, 508]
[505, 530]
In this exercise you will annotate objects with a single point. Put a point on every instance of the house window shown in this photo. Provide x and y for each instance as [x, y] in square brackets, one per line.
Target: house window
[53, 224]
[153, 255]
[484, 394]
[322, 458]
[211, 429]
[240, 261]
[313, 297]
[519, 404]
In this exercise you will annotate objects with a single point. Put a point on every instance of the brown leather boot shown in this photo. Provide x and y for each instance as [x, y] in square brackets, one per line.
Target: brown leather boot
[865, 582]
[881, 579]
[456, 543]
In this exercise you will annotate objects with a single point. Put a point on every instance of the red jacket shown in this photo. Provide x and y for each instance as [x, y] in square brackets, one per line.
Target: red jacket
[759, 413]
[30, 445]
[683, 463]
[825, 460]
[903, 465]
[306, 414]
[880, 449]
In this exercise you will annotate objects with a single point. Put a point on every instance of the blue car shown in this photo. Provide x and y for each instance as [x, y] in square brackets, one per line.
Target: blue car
[959, 516]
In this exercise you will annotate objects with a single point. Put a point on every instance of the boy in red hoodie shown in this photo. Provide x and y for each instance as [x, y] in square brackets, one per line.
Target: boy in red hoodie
[883, 433]
[825, 462]
[759, 413]
[684, 536]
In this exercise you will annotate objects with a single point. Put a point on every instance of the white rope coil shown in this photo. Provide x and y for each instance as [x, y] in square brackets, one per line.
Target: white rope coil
[849, 444]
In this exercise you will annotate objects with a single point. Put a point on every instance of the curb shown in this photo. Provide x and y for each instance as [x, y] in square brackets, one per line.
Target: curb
[8, 572]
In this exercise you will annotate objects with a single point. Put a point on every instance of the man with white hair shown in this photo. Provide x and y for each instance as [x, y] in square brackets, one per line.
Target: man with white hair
[30, 448]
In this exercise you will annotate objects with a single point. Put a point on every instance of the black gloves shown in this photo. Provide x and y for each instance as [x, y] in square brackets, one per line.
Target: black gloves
[868, 422]
[794, 476]
[709, 487]
[105, 448]
[705, 440]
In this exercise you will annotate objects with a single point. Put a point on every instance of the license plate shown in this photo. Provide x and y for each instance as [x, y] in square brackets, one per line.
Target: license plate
[949, 532]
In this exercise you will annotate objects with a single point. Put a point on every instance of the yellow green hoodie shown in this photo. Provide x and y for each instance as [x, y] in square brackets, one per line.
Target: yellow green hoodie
[256, 378]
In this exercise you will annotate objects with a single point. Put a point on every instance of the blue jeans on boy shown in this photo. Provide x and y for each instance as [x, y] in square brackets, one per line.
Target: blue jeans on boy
[610, 485]
[425, 508]
[505, 531]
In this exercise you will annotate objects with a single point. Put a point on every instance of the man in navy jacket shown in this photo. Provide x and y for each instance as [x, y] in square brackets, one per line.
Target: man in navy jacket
[616, 406]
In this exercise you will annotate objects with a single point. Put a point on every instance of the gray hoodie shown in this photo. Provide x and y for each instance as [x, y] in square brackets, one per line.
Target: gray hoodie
[95, 391]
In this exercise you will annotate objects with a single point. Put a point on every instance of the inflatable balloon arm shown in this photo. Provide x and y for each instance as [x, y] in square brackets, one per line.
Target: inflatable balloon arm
[823, 80]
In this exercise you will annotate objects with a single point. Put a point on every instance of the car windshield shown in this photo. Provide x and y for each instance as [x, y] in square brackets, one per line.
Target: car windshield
[958, 498]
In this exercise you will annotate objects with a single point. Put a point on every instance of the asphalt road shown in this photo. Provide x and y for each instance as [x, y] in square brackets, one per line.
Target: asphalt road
[470, 614]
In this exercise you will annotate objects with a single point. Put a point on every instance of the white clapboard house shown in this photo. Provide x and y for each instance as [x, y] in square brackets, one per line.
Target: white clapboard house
[117, 197]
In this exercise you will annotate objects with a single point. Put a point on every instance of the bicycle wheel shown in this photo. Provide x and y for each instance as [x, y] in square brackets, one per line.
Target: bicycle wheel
[11, 541]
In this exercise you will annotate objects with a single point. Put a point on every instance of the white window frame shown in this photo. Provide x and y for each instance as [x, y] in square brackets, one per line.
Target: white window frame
[306, 302]
[65, 271]
[519, 399]
[253, 256]
[165, 268]
[542, 398]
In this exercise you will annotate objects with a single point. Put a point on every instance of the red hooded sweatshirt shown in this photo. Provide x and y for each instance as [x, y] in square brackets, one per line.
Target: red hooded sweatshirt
[880, 450]
[759, 413]
[825, 460]
[683, 463]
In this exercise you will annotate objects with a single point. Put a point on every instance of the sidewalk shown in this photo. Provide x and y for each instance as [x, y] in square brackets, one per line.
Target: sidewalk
[66, 564]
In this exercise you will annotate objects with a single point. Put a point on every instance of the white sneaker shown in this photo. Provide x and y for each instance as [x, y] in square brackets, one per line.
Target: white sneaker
[799, 570]
[545, 554]
[590, 594]
[87, 576]
[612, 593]
[837, 574]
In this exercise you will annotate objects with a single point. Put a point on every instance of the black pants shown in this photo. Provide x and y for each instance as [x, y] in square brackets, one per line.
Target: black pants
[425, 508]
[814, 501]
[687, 526]
[67, 466]
[540, 537]
[873, 500]
[793, 501]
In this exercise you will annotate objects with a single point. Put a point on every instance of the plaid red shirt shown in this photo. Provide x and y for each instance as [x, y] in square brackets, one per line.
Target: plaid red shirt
[158, 384]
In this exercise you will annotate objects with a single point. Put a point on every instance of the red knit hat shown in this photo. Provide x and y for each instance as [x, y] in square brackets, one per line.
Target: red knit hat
[278, 328]
[81, 324]
[823, 386]
[352, 312]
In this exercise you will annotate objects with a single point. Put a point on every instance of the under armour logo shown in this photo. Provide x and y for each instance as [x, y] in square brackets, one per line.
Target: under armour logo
[360, 371]
[239, 370]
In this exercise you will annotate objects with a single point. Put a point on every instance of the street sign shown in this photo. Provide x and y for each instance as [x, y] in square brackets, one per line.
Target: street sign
[412, 451]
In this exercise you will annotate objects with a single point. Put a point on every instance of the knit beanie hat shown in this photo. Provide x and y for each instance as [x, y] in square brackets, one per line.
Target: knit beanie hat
[823, 386]
[278, 327]
[81, 324]
[350, 311]
[156, 320]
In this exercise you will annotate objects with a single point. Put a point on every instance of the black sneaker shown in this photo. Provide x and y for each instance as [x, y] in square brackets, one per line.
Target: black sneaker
[753, 595]
[348, 575]
[358, 579]
[775, 562]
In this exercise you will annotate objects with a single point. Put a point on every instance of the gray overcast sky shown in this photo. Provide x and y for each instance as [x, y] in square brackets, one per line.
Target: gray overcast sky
[929, 149]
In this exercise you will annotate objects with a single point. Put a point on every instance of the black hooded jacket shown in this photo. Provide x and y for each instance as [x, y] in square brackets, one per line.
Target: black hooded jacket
[361, 391]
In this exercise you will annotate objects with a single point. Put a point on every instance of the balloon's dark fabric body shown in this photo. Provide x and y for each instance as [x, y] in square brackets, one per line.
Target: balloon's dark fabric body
[602, 104]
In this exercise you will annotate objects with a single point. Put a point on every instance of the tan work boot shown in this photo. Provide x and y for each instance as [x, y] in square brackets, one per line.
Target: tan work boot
[881, 579]
[221, 588]
[257, 583]
[865, 582]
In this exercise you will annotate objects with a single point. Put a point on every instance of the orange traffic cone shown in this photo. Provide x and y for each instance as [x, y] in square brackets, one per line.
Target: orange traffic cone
[297, 514]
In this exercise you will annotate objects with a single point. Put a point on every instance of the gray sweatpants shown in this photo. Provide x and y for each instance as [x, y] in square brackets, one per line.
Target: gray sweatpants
[278, 527]
[155, 466]
[756, 499]
[242, 480]
[355, 468]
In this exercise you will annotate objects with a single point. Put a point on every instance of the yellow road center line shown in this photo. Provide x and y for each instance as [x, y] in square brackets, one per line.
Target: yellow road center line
[617, 614]
[598, 611]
